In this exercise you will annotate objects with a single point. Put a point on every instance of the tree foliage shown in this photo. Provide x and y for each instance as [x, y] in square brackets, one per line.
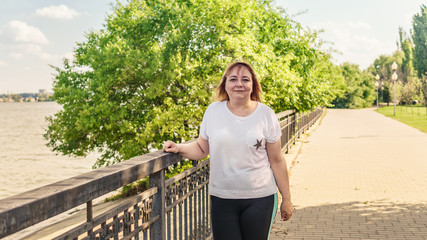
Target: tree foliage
[408, 86]
[419, 37]
[359, 89]
[419, 24]
[406, 46]
[149, 74]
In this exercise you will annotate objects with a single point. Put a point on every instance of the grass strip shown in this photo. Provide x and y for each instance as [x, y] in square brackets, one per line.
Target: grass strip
[415, 116]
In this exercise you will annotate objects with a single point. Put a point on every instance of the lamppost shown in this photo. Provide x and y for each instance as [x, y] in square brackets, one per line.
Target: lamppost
[394, 78]
[377, 84]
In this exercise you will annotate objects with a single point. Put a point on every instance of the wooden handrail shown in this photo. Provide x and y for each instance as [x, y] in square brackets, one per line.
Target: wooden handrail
[26, 209]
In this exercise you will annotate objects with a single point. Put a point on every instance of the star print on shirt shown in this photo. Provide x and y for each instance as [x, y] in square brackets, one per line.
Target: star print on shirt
[258, 144]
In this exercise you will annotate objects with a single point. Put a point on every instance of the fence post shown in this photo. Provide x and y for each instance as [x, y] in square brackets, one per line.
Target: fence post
[158, 230]
[89, 217]
[288, 126]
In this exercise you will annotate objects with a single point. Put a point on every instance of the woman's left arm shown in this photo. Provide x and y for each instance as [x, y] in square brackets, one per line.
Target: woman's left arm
[280, 171]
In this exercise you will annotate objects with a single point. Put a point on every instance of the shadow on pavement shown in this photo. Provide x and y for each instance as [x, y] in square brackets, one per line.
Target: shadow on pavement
[355, 220]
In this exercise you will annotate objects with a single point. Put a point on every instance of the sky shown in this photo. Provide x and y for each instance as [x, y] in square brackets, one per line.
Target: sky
[359, 30]
[35, 34]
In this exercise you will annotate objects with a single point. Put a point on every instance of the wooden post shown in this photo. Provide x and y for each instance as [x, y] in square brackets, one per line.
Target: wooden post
[158, 230]
[89, 211]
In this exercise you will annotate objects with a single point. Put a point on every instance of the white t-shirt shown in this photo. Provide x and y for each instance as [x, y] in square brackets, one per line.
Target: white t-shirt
[239, 166]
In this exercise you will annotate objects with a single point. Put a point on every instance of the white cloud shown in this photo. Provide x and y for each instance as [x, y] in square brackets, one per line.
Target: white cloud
[57, 59]
[356, 46]
[359, 25]
[22, 32]
[22, 51]
[16, 55]
[68, 55]
[57, 12]
[29, 48]
[32, 49]
[3, 64]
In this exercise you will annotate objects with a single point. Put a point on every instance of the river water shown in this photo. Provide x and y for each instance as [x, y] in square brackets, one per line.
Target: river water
[25, 160]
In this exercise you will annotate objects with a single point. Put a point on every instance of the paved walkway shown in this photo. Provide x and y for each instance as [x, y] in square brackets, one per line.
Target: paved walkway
[359, 175]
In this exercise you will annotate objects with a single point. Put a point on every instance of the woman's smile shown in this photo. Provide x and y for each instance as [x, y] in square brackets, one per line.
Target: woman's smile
[239, 84]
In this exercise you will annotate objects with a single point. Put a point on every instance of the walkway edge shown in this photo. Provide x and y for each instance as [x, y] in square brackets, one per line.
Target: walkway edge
[292, 155]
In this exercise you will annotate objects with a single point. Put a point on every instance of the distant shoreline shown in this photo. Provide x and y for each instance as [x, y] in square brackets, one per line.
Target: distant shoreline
[41, 96]
[27, 101]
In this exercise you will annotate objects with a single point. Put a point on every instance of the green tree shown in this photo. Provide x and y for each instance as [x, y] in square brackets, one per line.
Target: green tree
[149, 74]
[419, 24]
[382, 67]
[406, 46]
[359, 92]
[385, 94]
[16, 97]
[411, 84]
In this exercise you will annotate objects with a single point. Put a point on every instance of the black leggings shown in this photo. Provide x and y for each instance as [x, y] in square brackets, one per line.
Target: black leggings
[243, 219]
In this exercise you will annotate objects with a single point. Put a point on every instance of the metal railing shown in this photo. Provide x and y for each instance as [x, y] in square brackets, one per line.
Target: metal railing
[176, 208]
[294, 124]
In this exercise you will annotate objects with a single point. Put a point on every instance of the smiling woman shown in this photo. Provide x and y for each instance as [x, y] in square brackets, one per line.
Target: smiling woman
[239, 84]
[155, 63]
[242, 137]
[239, 77]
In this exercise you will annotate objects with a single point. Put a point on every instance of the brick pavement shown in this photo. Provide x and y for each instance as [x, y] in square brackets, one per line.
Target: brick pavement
[359, 175]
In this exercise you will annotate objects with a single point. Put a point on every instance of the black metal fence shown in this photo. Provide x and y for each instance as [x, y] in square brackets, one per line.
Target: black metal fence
[176, 208]
[294, 124]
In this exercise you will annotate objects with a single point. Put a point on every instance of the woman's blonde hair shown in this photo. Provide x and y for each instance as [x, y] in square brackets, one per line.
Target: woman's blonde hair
[256, 86]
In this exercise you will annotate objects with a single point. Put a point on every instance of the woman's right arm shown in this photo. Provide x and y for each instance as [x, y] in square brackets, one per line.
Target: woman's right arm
[195, 150]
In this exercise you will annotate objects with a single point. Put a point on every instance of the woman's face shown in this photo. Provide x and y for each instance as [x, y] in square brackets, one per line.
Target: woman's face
[238, 84]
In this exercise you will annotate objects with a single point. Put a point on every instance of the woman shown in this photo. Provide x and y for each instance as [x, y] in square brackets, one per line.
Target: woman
[242, 136]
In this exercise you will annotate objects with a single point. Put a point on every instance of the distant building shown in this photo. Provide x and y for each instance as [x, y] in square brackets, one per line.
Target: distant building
[42, 91]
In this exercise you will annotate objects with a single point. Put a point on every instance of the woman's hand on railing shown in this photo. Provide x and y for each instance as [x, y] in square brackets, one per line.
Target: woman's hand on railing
[170, 146]
[194, 150]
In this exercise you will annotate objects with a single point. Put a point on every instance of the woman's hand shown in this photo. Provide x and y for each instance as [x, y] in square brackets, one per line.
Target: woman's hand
[286, 209]
[194, 150]
[170, 146]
